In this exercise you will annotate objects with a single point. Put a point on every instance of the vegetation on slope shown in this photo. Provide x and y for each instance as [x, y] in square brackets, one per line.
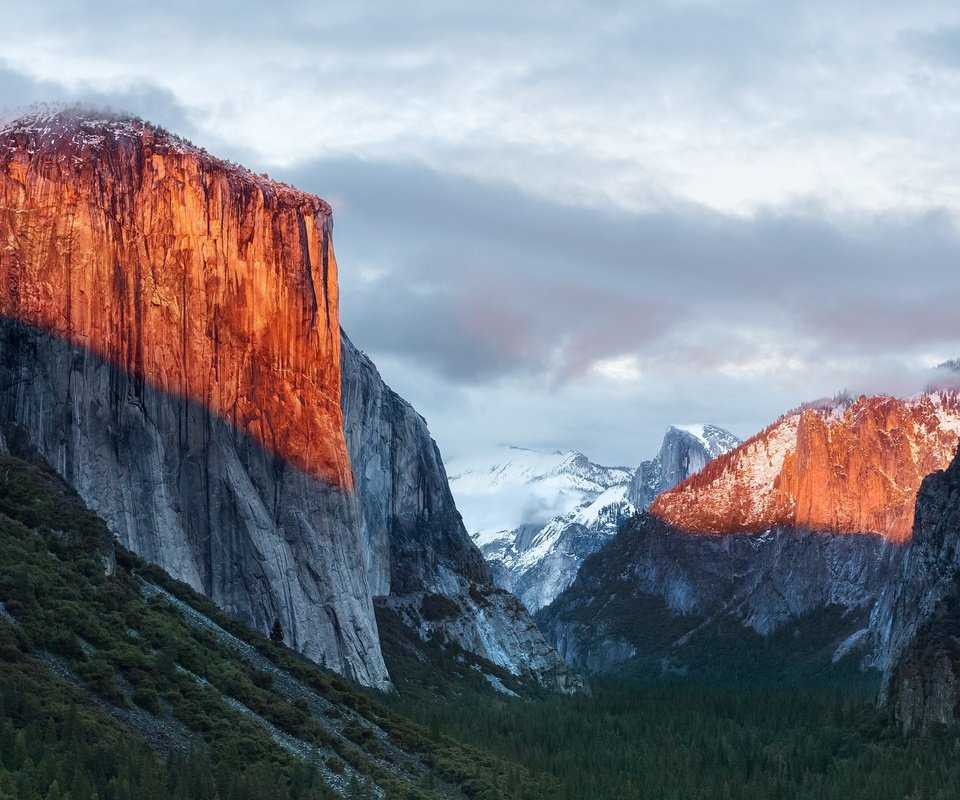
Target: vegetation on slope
[120, 682]
[131, 685]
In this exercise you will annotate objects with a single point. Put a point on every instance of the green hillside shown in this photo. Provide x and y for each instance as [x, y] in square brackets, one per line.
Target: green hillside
[118, 682]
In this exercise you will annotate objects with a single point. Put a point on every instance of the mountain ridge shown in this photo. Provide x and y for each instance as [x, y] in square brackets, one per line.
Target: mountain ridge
[802, 469]
[735, 548]
[536, 516]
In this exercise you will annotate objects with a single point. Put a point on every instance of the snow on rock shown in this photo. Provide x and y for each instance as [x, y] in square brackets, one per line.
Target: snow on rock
[536, 516]
[840, 465]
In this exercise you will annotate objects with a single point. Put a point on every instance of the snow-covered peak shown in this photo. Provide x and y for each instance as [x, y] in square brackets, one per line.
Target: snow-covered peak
[695, 430]
[715, 440]
[526, 487]
[537, 515]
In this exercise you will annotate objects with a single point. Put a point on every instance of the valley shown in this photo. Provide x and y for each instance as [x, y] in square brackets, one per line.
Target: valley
[234, 563]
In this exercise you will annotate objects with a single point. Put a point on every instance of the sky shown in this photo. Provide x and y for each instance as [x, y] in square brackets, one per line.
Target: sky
[568, 225]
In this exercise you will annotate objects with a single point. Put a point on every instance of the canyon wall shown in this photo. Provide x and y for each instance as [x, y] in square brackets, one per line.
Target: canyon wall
[420, 559]
[170, 343]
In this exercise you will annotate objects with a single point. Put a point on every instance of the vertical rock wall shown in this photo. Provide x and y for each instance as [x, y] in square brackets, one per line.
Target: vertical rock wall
[170, 343]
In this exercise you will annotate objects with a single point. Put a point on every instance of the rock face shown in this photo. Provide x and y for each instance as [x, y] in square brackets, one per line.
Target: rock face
[170, 344]
[537, 516]
[807, 520]
[920, 630]
[685, 451]
[191, 275]
[420, 561]
[837, 466]
[655, 593]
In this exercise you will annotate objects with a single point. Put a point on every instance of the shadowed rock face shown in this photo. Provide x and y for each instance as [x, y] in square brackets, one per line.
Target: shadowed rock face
[412, 528]
[652, 588]
[188, 491]
[846, 467]
[420, 559]
[920, 630]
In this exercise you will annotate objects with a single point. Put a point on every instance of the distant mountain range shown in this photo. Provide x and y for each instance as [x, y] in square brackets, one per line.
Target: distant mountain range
[536, 516]
[797, 533]
[843, 465]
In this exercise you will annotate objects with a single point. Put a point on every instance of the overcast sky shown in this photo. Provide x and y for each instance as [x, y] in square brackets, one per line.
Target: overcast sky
[568, 225]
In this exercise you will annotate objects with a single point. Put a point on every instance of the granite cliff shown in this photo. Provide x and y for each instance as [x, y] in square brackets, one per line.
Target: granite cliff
[842, 466]
[170, 344]
[919, 629]
[420, 561]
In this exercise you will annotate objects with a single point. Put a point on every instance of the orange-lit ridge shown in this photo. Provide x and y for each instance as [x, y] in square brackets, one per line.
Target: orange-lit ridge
[204, 280]
[830, 467]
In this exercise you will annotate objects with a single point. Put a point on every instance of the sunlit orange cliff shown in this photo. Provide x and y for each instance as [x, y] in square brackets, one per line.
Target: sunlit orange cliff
[198, 277]
[841, 467]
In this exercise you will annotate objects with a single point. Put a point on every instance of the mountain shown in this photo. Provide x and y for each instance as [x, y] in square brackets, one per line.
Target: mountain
[686, 450]
[662, 597]
[843, 466]
[799, 529]
[170, 344]
[920, 626]
[537, 516]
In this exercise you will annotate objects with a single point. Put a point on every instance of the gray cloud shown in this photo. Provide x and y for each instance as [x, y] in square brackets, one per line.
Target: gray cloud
[565, 228]
[483, 280]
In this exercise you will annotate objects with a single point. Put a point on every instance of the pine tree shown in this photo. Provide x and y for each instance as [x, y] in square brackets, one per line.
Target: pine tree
[276, 632]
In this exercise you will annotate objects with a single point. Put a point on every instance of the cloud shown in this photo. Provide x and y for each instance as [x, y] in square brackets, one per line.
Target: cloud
[735, 106]
[606, 319]
[565, 228]
[483, 280]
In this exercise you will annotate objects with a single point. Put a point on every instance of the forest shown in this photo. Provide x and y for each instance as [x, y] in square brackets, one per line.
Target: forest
[111, 692]
[675, 737]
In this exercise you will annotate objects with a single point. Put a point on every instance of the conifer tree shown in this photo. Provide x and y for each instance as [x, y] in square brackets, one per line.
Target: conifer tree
[276, 632]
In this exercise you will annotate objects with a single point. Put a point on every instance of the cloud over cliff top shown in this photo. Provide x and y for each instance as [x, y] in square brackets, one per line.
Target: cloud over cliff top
[737, 206]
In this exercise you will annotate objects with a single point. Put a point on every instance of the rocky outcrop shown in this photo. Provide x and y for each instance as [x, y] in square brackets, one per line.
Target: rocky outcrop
[685, 451]
[653, 590]
[843, 467]
[421, 563]
[919, 632]
[190, 274]
[170, 345]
